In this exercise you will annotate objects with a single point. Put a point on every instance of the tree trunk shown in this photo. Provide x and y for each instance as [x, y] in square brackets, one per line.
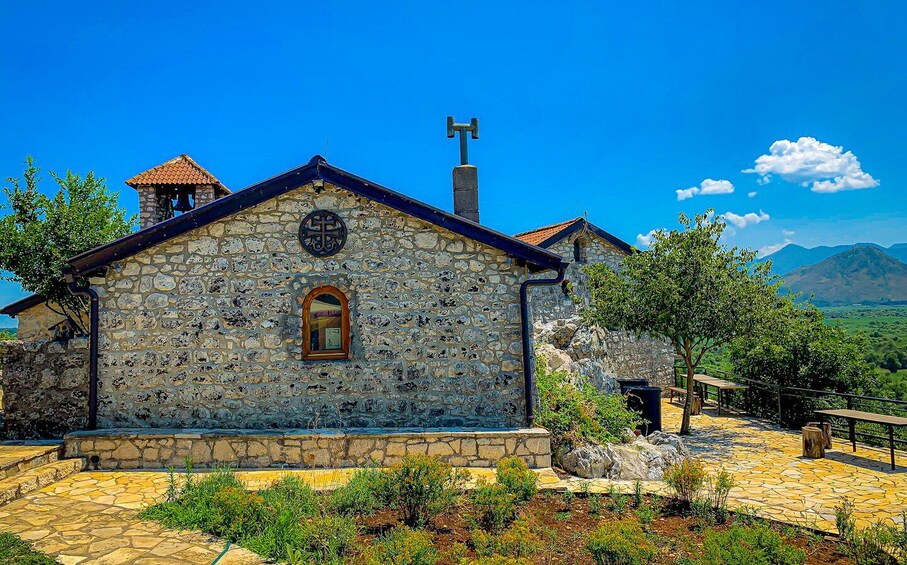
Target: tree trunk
[813, 442]
[688, 403]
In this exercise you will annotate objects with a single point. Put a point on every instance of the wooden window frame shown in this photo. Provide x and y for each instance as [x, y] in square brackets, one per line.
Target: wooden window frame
[307, 353]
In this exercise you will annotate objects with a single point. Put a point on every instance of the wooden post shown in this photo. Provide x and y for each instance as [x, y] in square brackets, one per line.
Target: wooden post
[697, 406]
[813, 442]
[826, 431]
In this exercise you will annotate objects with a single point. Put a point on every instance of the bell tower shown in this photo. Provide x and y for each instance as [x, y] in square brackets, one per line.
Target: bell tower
[174, 188]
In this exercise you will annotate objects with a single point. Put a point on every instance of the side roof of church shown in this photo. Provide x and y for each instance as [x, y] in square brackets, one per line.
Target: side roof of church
[546, 236]
[317, 168]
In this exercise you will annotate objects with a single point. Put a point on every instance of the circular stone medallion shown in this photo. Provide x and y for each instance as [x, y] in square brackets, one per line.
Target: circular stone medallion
[322, 233]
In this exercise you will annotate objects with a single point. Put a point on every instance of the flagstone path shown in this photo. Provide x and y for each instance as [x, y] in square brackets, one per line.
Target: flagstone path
[776, 481]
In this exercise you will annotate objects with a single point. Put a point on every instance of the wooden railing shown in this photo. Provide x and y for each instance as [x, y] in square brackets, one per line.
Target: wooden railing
[790, 407]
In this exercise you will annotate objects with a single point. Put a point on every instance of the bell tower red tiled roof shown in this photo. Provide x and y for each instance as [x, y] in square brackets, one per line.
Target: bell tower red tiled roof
[181, 170]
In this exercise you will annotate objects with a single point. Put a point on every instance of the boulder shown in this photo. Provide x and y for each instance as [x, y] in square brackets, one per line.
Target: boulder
[628, 463]
[664, 438]
[555, 357]
[587, 461]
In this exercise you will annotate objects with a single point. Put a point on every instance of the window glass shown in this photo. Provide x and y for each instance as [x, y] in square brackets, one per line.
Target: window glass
[325, 324]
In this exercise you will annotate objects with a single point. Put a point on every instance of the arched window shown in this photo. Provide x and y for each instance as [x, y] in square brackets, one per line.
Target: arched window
[325, 325]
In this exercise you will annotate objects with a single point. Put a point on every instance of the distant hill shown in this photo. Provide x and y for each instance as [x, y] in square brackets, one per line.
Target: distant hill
[859, 275]
[793, 256]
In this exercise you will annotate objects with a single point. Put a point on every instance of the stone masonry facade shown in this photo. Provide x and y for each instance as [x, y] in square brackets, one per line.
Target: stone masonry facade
[45, 387]
[160, 449]
[204, 330]
[600, 353]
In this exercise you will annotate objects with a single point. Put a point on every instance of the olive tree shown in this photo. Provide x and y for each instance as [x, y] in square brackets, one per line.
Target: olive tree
[688, 288]
[39, 232]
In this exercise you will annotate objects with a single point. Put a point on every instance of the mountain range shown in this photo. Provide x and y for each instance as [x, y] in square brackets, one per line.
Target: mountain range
[793, 256]
[861, 274]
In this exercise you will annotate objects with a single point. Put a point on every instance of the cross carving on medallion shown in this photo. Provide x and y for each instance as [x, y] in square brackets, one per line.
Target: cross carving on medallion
[322, 233]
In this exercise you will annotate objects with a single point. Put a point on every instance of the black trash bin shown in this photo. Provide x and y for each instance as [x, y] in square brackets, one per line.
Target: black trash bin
[647, 401]
[624, 384]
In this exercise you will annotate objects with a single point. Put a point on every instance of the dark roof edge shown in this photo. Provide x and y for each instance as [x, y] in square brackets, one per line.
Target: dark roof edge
[316, 168]
[578, 225]
[22, 305]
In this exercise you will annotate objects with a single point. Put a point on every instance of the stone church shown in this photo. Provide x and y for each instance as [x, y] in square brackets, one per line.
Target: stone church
[314, 300]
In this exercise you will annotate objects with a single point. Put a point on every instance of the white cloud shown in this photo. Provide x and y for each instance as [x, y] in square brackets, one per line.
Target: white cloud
[788, 233]
[646, 240]
[769, 249]
[707, 186]
[810, 162]
[751, 194]
[748, 219]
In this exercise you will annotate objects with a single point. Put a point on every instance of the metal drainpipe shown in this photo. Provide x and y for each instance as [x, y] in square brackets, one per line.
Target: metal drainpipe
[92, 347]
[527, 339]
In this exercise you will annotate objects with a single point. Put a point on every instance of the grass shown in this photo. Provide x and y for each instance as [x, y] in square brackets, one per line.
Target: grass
[14, 551]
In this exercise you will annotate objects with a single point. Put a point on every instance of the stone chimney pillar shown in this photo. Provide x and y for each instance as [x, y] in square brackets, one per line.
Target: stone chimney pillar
[466, 192]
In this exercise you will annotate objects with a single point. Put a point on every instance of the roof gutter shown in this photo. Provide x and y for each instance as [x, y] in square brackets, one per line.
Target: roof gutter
[92, 296]
[528, 368]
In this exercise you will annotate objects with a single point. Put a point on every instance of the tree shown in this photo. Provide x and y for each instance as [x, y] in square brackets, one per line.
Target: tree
[688, 288]
[39, 233]
[794, 347]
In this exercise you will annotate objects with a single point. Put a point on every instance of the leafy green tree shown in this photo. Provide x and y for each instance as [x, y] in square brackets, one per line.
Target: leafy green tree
[40, 232]
[688, 288]
[794, 347]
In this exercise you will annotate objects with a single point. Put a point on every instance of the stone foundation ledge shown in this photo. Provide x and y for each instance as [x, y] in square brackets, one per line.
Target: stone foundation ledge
[144, 448]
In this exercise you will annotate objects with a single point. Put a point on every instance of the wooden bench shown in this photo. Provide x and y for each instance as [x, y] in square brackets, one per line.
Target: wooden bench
[672, 390]
[854, 416]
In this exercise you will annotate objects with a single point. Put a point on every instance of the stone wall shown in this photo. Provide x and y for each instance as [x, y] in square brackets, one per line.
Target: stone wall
[36, 323]
[602, 355]
[45, 387]
[204, 330]
[160, 449]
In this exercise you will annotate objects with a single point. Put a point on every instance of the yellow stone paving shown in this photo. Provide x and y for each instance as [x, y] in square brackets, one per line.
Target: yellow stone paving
[775, 481]
[12, 454]
[91, 518]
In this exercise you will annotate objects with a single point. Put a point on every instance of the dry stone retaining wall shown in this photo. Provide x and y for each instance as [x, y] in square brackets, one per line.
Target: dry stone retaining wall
[159, 449]
[45, 387]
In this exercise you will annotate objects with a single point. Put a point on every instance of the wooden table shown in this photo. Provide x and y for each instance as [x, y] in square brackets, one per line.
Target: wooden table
[720, 384]
[854, 416]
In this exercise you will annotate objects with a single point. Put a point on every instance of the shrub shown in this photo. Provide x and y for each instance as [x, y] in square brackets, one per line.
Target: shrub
[496, 505]
[645, 514]
[576, 413]
[844, 520]
[18, 552]
[498, 560]
[195, 507]
[292, 495]
[360, 496]
[686, 479]
[518, 541]
[879, 544]
[402, 546]
[595, 504]
[328, 537]
[719, 488]
[621, 542]
[517, 478]
[748, 545]
[236, 514]
[421, 487]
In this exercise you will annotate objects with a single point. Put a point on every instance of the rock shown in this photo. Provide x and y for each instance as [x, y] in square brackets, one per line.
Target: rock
[588, 461]
[628, 436]
[664, 438]
[629, 464]
[555, 357]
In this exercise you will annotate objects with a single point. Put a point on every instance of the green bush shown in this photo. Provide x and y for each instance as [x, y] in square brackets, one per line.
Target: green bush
[576, 413]
[237, 513]
[496, 506]
[686, 479]
[360, 496]
[195, 506]
[517, 478]
[402, 546]
[15, 551]
[622, 542]
[719, 488]
[748, 545]
[497, 560]
[518, 541]
[328, 537]
[879, 544]
[421, 487]
[292, 495]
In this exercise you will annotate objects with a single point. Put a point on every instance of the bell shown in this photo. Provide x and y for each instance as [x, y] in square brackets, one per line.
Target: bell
[182, 202]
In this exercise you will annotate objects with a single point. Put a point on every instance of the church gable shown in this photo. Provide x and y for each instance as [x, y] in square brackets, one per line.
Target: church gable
[236, 323]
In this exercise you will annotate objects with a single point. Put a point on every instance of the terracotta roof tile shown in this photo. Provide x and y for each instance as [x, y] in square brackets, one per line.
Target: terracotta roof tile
[179, 170]
[539, 235]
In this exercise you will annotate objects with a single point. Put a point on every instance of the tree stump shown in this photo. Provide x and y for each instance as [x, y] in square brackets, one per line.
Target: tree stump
[826, 431]
[813, 442]
[697, 406]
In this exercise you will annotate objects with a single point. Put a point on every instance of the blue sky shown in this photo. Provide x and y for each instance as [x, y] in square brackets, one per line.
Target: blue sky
[603, 108]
